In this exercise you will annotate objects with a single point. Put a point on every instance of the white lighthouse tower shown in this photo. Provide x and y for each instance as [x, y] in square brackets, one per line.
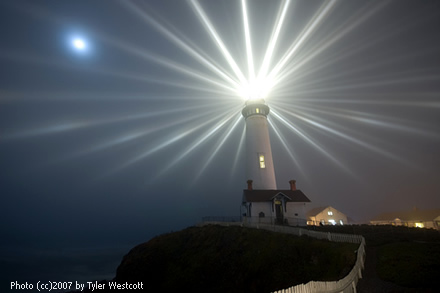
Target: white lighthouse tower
[262, 201]
[259, 163]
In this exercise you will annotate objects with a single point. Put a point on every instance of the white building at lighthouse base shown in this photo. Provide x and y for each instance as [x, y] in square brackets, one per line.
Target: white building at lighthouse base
[272, 206]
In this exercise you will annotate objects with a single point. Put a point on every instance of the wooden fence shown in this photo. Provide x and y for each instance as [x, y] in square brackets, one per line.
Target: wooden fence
[345, 285]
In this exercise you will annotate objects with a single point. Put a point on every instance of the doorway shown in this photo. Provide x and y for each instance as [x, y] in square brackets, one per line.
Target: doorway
[279, 218]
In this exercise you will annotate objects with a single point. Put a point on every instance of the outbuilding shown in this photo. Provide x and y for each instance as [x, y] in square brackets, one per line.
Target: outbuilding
[412, 218]
[326, 216]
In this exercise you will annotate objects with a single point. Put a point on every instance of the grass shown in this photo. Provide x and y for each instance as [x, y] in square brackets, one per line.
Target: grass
[409, 257]
[234, 259]
[410, 264]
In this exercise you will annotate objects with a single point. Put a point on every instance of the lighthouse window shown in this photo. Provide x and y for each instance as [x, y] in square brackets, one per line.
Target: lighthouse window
[262, 163]
[257, 110]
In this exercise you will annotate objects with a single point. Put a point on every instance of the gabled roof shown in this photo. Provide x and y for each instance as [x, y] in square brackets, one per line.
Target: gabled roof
[412, 215]
[261, 195]
[315, 211]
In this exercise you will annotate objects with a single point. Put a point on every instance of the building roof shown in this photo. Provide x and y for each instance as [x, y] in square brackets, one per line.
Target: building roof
[261, 195]
[313, 212]
[411, 215]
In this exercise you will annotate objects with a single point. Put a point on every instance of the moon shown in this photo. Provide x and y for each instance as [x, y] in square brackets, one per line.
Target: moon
[79, 44]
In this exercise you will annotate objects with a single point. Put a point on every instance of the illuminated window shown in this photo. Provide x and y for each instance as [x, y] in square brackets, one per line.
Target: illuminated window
[341, 222]
[333, 222]
[330, 213]
[262, 163]
[257, 110]
[419, 225]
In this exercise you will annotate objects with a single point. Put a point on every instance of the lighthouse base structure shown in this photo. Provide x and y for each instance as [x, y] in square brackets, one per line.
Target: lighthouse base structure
[281, 207]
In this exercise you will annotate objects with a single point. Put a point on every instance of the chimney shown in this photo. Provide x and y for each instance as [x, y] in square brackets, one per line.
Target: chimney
[292, 184]
[249, 183]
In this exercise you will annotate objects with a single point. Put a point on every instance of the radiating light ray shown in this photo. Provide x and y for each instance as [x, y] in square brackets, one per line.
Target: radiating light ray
[153, 150]
[28, 57]
[238, 152]
[250, 58]
[197, 143]
[174, 139]
[299, 168]
[261, 86]
[185, 46]
[167, 142]
[366, 118]
[291, 67]
[41, 13]
[380, 82]
[378, 99]
[59, 127]
[210, 28]
[136, 135]
[347, 137]
[350, 72]
[349, 26]
[7, 96]
[312, 143]
[272, 42]
[187, 71]
[51, 129]
[219, 146]
[311, 26]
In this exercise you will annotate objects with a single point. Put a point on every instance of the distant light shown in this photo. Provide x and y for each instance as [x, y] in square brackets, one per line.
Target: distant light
[79, 44]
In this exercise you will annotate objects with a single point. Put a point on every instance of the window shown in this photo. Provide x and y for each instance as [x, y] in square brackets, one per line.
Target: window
[341, 222]
[419, 225]
[257, 110]
[262, 163]
[330, 213]
[333, 222]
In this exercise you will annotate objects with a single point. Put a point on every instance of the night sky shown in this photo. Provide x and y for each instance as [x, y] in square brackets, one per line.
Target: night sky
[137, 131]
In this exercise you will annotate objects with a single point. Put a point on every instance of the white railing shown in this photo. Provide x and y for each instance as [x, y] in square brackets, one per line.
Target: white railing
[345, 285]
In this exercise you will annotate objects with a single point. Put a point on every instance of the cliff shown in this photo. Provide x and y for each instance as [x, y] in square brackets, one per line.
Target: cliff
[232, 259]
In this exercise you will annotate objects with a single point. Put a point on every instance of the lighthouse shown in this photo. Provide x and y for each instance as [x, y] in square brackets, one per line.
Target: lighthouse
[259, 162]
[262, 201]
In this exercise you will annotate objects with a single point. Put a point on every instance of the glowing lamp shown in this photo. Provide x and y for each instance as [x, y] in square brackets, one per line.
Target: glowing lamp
[254, 90]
